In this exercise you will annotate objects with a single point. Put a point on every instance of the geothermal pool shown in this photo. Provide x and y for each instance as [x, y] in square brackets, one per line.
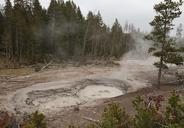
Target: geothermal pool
[84, 89]
[53, 96]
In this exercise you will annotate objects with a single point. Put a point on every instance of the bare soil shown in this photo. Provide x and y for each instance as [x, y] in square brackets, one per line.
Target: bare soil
[67, 95]
[68, 117]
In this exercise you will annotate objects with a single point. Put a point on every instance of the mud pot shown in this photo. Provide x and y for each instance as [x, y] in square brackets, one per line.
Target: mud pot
[56, 95]
[78, 87]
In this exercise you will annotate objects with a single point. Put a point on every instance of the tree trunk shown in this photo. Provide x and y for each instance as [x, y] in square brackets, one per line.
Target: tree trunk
[52, 40]
[85, 38]
[162, 57]
[160, 72]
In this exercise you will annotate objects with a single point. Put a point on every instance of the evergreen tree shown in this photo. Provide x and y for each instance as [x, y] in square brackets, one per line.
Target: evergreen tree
[37, 32]
[1, 32]
[71, 27]
[52, 21]
[164, 47]
[28, 33]
[7, 35]
[19, 28]
[34, 34]
[80, 32]
[116, 39]
[79, 15]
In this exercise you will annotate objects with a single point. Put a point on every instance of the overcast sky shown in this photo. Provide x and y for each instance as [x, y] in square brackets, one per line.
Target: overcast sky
[138, 12]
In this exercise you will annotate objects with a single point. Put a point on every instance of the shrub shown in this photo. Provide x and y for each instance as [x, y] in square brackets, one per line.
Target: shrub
[114, 117]
[147, 112]
[148, 115]
[7, 120]
[4, 119]
[174, 114]
[35, 120]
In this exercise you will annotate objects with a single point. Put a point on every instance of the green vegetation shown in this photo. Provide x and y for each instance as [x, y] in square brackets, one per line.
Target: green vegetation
[164, 46]
[30, 34]
[35, 120]
[150, 112]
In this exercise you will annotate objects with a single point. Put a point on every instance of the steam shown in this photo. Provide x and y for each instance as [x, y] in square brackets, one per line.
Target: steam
[140, 52]
[137, 65]
[77, 87]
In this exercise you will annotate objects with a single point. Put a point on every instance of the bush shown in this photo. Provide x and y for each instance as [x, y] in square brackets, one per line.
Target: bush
[7, 120]
[148, 114]
[35, 120]
[114, 117]
[175, 112]
[4, 119]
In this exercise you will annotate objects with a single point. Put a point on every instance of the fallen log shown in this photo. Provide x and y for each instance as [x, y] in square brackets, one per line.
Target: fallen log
[91, 119]
[46, 66]
[87, 70]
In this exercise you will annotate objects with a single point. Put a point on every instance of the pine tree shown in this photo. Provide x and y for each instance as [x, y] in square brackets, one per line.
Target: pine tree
[116, 39]
[19, 21]
[164, 47]
[28, 32]
[37, 9]
[37, 32]
[80, 32]
[87, 25]
[71, 27]
[79, 15]
[34, 34]
[52, 21]
[8, 9]
[7, 35]
[96, 27]
[1, 32]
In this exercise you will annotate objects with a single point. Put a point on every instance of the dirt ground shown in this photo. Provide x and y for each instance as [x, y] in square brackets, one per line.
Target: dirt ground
[67, 95]
[68, 117]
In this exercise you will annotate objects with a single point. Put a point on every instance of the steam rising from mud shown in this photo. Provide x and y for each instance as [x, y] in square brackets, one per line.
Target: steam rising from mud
[133, 73]
[137, 65]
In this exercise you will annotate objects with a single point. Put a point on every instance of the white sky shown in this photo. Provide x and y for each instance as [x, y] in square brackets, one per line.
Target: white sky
[138, 12]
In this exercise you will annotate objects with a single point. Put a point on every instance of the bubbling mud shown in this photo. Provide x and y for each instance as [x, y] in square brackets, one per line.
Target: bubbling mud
[99, 92]
[54, 96]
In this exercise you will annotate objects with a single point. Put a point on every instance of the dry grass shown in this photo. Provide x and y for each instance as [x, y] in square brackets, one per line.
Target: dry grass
[7, 68]
[16, 72]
